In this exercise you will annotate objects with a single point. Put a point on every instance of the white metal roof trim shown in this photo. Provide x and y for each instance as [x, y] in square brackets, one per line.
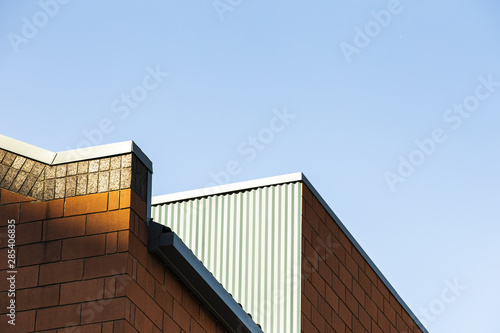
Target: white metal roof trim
[227, 188]
[75, 155]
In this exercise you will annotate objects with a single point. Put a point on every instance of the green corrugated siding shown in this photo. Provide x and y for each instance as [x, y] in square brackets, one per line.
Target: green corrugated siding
[251, 242]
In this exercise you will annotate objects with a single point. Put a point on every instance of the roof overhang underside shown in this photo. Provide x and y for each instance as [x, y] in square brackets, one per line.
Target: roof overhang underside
[181, 260]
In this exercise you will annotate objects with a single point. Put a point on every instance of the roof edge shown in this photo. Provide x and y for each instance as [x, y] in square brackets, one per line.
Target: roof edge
[75, 155]
[227, 188]
[27, 150]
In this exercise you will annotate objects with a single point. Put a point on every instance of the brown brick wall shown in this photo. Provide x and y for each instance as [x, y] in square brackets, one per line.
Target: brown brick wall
[340, 291]
[83, 265]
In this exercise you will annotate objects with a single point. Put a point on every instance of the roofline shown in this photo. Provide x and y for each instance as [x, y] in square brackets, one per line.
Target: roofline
[289, 178]
[27, 150]
[75, 155]
[181, 260]
[227, 188]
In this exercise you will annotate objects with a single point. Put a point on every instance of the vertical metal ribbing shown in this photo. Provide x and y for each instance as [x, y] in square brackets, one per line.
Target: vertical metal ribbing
[251, 242]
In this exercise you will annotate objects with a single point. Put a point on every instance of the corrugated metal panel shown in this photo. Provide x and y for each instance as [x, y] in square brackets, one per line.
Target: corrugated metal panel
[251, 242]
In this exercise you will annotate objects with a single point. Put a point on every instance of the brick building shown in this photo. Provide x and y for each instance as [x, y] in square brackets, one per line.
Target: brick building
[95, 253]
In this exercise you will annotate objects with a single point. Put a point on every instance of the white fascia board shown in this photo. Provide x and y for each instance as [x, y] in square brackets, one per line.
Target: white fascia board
[27, 150]
[90, 153]
[227, 188]
[75, 155]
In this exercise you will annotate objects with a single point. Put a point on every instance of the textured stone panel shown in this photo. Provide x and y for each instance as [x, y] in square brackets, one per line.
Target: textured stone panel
[61, 170]
[71, 186]
[93, 166]
[60, 188]
[126, 176]
[37, 191]
[9, 178]
[72, 169]
[8, 159]
[37, 169]
[50, 172]
[49, 189]
[104, 164]
[81, 184]
[114, 180]
[83, 167]
[127, 161]
[18, 162]
[116, 162]
[3, 171]
[27, 185]
[18, 182]
[28, 165]
[93, 181]
[103, 182]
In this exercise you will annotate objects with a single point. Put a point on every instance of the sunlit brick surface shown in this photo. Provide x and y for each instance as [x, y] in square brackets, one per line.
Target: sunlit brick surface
[340, 291]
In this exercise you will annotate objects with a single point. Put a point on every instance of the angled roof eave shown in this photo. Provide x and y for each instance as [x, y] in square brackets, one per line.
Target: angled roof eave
[181, 260]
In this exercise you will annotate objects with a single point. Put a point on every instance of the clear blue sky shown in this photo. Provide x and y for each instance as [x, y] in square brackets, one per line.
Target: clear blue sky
[361, 84]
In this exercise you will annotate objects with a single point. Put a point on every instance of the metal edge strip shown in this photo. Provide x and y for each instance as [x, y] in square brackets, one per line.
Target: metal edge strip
[227, 188]
[26, 150]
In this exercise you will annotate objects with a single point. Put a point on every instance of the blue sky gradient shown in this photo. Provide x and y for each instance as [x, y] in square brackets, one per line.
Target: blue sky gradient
[65, 79]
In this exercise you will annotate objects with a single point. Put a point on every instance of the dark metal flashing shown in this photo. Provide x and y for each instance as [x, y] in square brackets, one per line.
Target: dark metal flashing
[181, 260]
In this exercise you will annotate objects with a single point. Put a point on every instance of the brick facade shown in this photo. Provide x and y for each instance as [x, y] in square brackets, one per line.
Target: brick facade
[83, 264]
[82, 259]
[340, 291]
